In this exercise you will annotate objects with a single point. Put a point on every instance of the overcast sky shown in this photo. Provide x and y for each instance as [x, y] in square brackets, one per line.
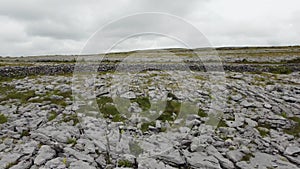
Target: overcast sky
[40, 27]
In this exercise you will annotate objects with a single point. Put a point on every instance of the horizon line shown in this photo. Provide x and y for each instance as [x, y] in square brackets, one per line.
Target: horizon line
[229, 47]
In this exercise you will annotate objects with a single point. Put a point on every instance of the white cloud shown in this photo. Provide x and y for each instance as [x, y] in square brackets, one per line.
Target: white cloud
[35, 27]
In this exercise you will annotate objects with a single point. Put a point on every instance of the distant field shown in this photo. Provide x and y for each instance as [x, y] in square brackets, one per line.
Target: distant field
[227, 54]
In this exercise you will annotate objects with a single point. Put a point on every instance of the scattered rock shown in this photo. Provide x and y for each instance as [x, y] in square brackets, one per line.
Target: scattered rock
[237, 97]
[201, 160]
[292, 150]
[81, 165]
[78, 155]
[247, 104]
[267, 105]
[235, 155]
[30, 140]
[9, 159]
[173, 158]
[45, 153]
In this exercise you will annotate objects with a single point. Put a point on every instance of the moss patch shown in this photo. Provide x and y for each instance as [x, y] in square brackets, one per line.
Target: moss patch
[25, 133]
[72, 141]
[171, 111]
[67, 94]
[294, 130]
[263, 131]
[3, 119]
[72, 117]
[10, 165]
[109, 110]
[5, 89]
[247, 157]
[280, 70]
[145, 126]
[143, 102]
[23, 96]
[60, 101]
[222, 123]
[201, 113]
[284, 114]
[125, 163]
[52, 115]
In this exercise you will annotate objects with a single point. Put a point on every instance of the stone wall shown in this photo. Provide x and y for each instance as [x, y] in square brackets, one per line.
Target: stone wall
[15, 71]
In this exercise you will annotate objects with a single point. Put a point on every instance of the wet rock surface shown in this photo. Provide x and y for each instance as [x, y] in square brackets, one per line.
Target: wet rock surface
[151, 119]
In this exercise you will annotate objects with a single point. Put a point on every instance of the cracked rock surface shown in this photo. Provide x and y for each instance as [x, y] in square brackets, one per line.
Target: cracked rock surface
[151, 119]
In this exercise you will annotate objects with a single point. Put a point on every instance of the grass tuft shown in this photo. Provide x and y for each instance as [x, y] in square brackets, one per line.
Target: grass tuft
[143, 102]
[280, 70]
[72, 141]
[125, 163]
[3, 119]
[25, 133]
[294, 130]
[201, 113]
[52, 115]
[247, 157]
[72, 117]
[263, 132]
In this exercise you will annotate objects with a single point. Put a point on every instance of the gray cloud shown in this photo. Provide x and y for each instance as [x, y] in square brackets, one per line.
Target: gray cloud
[35, 27]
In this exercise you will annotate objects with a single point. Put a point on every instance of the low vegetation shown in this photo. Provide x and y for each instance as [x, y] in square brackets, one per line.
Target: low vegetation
[10, 165]
[247, 157]
[143, 102]
[264, 132]
[52, 115]
[72, 141]
[3, 118]
[22, 96]
[145, 126]
[109, 110]
[72, 117]
[125, 163]
[222, 123]
[202, 113]
[295, 129]
[280, 70]
[25, 133]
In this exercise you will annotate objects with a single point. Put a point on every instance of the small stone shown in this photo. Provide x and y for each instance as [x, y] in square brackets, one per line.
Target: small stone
[101, 161]
[78, 155]
[236, 97]
[243, 165]
[8, 159]
[81, 165]
[295, 160]
[235, 155]
[22, 165]
[228, 142]
[237, 76]
[56, 163]
[247, 104]
[267, 105]
[292, 150]
[158, 124]
[290, 99]
[49, 87]
[2, 147]
[201, 160]
[150, 163]
[45, 153]
[173, 157]
[251, 123]
[56, 97]
[225, 163]
[128, 95]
